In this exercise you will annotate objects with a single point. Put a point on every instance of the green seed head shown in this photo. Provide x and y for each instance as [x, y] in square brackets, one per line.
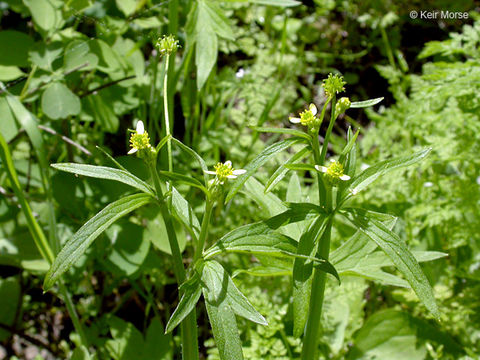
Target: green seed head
[342, 105]
[167, 44]
[333, 85]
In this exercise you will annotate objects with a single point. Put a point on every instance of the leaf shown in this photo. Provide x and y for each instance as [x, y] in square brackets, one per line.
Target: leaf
[395, 335]
[44, 14]
[9, 73]
[287, 131]
[280, 3]
[185, 213]
[58, 102]
[10, 126]
[127, 341]
[14, 48]
[225, 330]
[280, 173]
[81, 240]
[300, 167]
[262, 271]
[104, 172]
[192, 291]
[398, 252]
[182, 179]
[261, 159]
[193, 154]
[303, 275]
[43, 55]
[206, 51]
[128, 7]
[77, 53]
[219, 288]
[372, 173]
[366, 103]
[9, 302]
[157, 344]
[101, 112]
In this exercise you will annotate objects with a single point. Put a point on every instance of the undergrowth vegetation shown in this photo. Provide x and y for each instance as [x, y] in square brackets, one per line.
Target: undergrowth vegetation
[242, 179]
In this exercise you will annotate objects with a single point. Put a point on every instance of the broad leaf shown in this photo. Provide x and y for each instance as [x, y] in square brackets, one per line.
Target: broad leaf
[81, 240]
[104, 172]
[59, 102]
[261, 159]
[398, 252]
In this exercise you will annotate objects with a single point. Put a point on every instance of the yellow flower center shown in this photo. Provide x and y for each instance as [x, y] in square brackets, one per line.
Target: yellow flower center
[140, 141]
[223, 170]
[335, 170]
[307, 118]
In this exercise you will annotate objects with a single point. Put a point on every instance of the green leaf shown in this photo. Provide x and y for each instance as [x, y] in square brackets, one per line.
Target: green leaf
[303, 275]
[193, 154]
[43, 55]
[206, 52]
[81, 240]
[395, 335]
[280, 173]
[128, 7]
[157, 344]
[58, 102]
[398, 252]
[192, 291]
[127, 341]
[219, 288]
[14, 48]
[281, 3]
[300, 167]
[372, 173]
[287, 131]
[9, 73]
[9, 302]
[262, 271]
[10, 126]
[77, 53]
[366, 103]
[185, 214]
[101, 112]
[218, 20]
[44, 14]
[261, 159]
[182, 179]
[225, 330]
[104, 172]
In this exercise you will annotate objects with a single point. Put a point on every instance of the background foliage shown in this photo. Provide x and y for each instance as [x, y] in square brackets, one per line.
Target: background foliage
[76, 74]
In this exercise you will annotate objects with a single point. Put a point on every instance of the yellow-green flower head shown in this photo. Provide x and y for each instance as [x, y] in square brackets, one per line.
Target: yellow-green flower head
[167, 44]
[307, 118]
[333, 85]
[139, 140]
[342, 105]
[224, 171]
[334, 171]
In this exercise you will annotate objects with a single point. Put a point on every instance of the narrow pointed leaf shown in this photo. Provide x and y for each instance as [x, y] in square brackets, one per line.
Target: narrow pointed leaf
[369, 175]
[192, 291]
[182, 179]
[193, 154]
[104, 172]
[184, 212]
[398, 252]
[287, 131]
[366, 103]
[261, 159]
[81, 240]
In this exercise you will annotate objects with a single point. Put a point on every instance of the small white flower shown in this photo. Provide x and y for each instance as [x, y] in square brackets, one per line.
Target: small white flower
[353, 191]
[139, 139]
[240, 73]
[334, 171]
[225, 171]
[428, 184]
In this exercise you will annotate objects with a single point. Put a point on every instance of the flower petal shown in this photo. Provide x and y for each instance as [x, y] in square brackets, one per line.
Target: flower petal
[239, 171]
[210, 172]
[294, 120]
[140, 128]
[231, 176]
[322, 169]
[344, 177]
[132, 151]
[228, 163]
[313, 109]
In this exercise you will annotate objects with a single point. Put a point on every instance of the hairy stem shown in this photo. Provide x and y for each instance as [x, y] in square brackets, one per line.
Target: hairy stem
[165, 108]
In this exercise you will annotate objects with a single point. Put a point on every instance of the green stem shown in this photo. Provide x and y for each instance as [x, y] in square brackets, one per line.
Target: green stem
[387, 47]
[203, 231]
[328, 133]
[73, 313]
[311, 338]
[189, 325]
[165, 108]
[24, 91]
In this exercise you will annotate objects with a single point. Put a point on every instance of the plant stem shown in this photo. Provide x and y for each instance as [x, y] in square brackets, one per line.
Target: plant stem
[73, 313]
[203, 230]
[189, 325]
[328, 133]
[310, 340]
[165, 108]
